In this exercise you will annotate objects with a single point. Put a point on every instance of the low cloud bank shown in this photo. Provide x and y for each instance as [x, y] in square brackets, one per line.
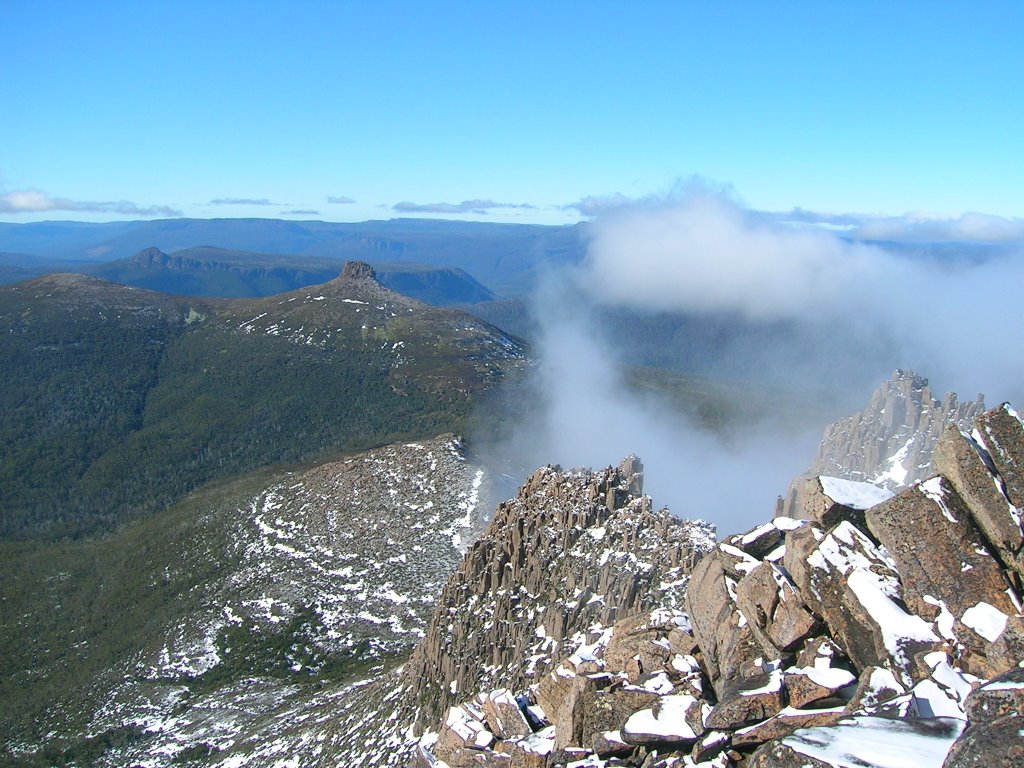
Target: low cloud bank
[812, 315]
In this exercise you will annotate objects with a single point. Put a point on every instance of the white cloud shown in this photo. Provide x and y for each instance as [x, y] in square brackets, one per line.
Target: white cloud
[703, 253]
[466, 206]
[968, 227]
[32, 201]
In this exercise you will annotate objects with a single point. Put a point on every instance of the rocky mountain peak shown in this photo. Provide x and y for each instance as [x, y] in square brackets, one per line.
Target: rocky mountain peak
[358, 270]
[890, 442]
[573, 549]
[895, 638]
[149, 257]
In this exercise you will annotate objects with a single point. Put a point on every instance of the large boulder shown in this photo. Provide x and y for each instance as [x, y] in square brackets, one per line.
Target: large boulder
[722, 631]
[853, 586]
[778, 618]
[939, 551]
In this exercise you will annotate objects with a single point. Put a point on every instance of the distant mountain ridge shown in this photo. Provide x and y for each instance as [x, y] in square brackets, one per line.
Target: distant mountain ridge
[225, 273]
[890, 442]
[505, 257]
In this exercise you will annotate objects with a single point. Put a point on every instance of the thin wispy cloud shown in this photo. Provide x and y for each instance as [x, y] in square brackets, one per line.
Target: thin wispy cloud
[38, 202]
[466, 206]
[243, 201]
[301, 212]
[340, 200]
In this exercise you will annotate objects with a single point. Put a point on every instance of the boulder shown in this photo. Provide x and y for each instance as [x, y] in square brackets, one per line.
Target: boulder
[749, 699]
[971, 470]
[672, 720]
[878, 692]
[722, 632]
[607, 711]
[828, 500]
[759, 542]
[504, 717]
[992, 744]
[710, 744]
[637, 638]
[1001, 433]
[939, 551]
[784, 723]
[1002, 695]
[561, 694]
[464, 739]
[777, 616]
[811, 685]
[853, 586]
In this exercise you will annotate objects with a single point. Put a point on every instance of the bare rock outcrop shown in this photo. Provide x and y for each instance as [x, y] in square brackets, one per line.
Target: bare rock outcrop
[865, 632]
[572, 550]
[889, 443]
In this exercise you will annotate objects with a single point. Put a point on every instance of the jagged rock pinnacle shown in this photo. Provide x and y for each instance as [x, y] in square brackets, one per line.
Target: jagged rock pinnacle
[358, 270]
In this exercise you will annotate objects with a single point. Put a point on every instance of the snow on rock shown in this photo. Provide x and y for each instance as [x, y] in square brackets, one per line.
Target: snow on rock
[987, 620]
[867, 742]
[668, 724]
[853, 494]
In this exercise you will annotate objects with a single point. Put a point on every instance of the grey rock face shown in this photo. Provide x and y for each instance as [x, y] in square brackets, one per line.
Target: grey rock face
[890, 442]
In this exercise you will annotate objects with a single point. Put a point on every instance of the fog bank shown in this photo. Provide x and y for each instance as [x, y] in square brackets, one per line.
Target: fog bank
[797, 310]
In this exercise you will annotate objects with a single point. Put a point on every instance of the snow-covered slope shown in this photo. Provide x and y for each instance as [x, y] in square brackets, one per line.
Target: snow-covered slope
[324, 578]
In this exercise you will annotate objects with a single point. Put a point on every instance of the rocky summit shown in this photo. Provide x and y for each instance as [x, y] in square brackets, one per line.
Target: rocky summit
[885, 632]
[889, 444]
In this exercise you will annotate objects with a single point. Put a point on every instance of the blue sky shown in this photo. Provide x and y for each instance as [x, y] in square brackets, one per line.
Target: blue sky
[151, 109]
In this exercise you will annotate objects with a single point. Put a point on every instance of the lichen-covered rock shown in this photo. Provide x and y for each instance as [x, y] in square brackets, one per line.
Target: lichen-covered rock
[769, 600]
[1000, 696]
[990, 744]
[939, 551]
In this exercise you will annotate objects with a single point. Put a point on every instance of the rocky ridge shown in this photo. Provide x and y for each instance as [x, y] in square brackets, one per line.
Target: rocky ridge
[572, 550]
[888, 444]
[883, 626]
